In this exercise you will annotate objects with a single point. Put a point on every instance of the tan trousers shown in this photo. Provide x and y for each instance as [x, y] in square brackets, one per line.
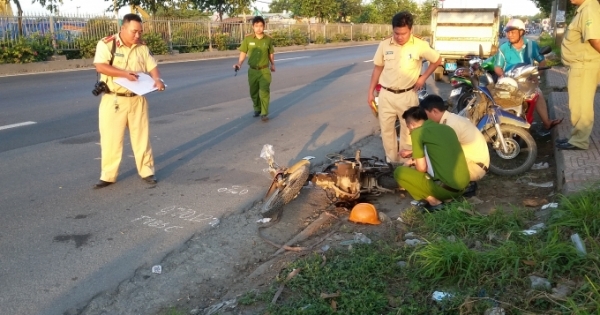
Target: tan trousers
[116, 114]
[391, 107]
[475, 171]
[582, 82]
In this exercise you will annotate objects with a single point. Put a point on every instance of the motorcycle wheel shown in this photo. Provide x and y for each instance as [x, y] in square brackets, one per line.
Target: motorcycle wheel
[280, 196]
[522, 150]
[462, 101]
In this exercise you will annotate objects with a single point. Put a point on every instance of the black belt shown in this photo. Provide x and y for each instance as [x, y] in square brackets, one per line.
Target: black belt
[259, 68]
[446, 187]
[397, 91]
[123, 94]
[483, 167]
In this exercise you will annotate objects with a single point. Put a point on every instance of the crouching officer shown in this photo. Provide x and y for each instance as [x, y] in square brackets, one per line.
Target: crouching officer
[124, 55]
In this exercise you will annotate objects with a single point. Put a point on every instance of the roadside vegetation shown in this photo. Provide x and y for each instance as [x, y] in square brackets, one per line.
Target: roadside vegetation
[478, 261]
[547, 40]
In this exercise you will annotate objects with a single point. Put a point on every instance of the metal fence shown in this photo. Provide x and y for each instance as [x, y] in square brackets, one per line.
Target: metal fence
[70, 32]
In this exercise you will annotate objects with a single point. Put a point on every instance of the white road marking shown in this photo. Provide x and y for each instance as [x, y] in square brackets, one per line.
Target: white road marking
[18, 125]
[303, 57]
[368, 60]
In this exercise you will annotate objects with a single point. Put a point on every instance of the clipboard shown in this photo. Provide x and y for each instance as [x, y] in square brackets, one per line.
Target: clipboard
[143, 85]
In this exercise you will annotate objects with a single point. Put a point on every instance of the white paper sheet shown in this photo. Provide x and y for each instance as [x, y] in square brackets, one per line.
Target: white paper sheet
[143, 85]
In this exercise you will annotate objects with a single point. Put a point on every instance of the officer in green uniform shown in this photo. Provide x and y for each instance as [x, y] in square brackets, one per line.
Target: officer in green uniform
[580, 51]
[260, 51]
[441, 170]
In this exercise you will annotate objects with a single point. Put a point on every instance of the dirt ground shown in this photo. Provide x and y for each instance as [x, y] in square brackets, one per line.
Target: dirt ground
[245, 261]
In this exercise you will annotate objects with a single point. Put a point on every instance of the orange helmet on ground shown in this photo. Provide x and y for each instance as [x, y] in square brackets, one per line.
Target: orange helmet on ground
[364, 213]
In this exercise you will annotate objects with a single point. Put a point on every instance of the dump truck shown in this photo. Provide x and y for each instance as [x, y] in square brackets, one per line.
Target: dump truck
[458, 33]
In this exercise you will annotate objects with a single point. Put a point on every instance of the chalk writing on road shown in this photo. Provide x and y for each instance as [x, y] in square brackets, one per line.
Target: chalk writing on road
[235, 190]
[174, 213]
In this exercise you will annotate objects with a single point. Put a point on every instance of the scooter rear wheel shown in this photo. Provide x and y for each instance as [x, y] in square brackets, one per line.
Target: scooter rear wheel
[282, 195]
[521, 154]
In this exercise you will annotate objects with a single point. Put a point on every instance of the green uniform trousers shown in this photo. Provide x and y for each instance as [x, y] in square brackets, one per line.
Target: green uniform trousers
[117, 113]
[582, 82]
[420, 185]
[260, 89]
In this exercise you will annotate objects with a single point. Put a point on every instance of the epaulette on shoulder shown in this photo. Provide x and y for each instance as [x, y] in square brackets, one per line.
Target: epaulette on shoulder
[417, 36]
[108, 39]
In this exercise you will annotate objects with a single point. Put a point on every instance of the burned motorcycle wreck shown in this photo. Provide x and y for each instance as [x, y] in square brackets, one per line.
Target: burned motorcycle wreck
[348, 178]
[344, 180]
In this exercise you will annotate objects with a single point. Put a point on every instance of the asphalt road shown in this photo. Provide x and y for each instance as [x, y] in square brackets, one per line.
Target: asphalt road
[62, 243]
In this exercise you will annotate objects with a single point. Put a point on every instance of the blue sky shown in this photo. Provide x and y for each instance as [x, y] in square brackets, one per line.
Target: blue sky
[509, 7]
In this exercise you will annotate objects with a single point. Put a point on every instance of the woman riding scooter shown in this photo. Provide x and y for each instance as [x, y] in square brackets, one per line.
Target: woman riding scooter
[517, 50]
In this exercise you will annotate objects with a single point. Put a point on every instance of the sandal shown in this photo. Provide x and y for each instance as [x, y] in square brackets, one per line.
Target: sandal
[554, 123]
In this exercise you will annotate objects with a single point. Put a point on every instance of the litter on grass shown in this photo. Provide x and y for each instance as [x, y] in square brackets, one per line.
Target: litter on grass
[550, 205]
[439, 295]
[540, 166]
[543, 185]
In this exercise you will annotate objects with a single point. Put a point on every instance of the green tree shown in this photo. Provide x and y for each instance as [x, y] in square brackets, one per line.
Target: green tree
[368, 14]
[348, 8]
[19, 16]
[221, 6]
[50, 5]
[180, 9]
[388, 8]
[424, 15]
[278, 6]
[323, 10]
[544, 5]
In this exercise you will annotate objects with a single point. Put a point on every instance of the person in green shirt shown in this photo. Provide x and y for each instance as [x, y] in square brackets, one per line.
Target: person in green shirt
[260, 51]
[441, 170]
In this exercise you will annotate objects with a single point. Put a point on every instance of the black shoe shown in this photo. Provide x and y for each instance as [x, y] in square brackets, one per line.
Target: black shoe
[264, 118]
[431, 208]
[101, 184]
[563, 140]
[150, 180]
[567, 146]
[471, 190]
[256, 114]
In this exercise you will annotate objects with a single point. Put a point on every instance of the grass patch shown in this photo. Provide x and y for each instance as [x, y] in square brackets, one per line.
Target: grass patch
[546, 40]
[482, 261]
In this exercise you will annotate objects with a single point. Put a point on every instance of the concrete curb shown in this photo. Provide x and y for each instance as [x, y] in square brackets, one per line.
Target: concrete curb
[76, 64]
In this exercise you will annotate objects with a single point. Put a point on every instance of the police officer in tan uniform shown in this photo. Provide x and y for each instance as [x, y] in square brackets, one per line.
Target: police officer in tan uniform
[580, 51]
[120, 108]
[398, 63]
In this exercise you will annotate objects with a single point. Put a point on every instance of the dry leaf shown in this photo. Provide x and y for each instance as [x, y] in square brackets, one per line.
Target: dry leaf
[529, 262]
[534, 202]
[334, 305]
[330, 295]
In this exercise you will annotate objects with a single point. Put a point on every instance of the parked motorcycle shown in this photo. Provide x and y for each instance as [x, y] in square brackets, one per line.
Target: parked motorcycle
[512, 148]
[525, 77]
[345, 179]
[462, 85]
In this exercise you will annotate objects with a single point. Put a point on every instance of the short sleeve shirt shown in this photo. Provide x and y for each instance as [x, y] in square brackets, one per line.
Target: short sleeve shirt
[471, 139]
[136, 58]
[258, 50]
[444, 151]
[402, 63]
[509, 56]
[576, 47]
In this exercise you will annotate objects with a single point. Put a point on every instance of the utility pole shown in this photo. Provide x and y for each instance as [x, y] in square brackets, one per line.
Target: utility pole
[560, 21]
[77, 10]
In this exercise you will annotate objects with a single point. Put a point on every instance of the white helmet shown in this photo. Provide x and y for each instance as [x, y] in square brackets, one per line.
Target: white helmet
[514, 24]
